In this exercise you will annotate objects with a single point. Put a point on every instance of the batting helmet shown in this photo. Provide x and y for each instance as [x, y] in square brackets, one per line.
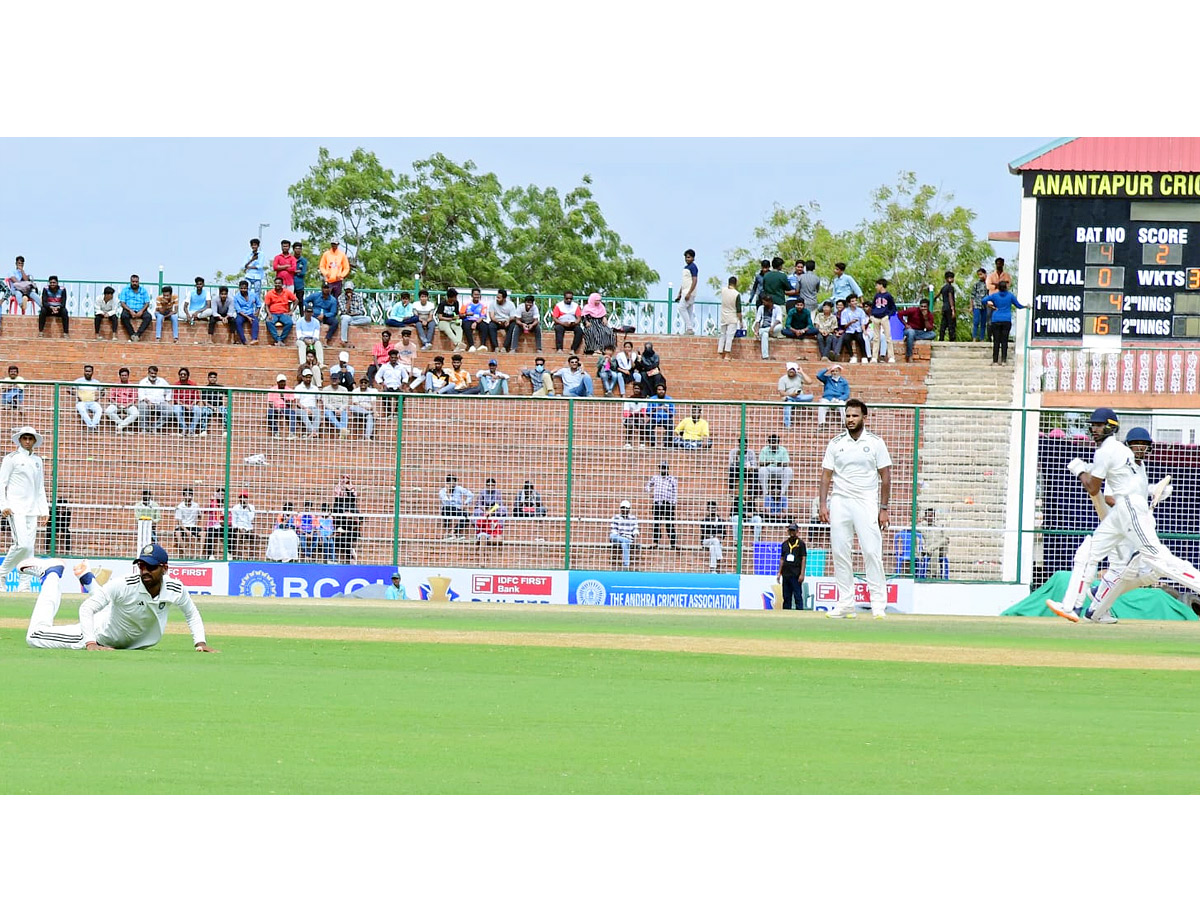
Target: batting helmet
[1138, 436]
[1105, 416]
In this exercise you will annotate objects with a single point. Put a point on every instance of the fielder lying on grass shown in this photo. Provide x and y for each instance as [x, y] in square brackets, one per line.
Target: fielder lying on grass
[129, 615]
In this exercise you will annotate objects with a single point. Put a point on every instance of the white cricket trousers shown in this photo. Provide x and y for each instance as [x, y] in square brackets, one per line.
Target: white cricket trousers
[42, 633]
[725, 339]
[24, 531]
[848, 517]
[687, 314]
[1133, 523]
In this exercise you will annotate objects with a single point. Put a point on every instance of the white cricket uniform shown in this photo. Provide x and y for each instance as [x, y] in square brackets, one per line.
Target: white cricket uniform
[23, 490]
[123, 616]
[1128, 522]
[854, 509]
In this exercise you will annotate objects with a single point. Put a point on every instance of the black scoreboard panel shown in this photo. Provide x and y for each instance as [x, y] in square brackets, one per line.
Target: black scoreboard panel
[1100, 273]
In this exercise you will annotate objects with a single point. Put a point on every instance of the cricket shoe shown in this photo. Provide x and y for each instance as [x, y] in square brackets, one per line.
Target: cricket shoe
[35, 568]
[1106, 619]
[841, 612]
[1059, 610]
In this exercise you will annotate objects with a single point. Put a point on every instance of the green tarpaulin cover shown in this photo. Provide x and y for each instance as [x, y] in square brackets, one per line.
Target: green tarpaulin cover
[1144, 603]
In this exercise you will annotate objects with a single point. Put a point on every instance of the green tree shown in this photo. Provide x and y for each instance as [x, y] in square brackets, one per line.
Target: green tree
[553, 243]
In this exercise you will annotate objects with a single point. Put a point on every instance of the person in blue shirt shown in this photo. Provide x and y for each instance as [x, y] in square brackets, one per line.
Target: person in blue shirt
[400, 313]
[325, 533]
[836, 393]
[325, 309]
[757, 286]
[1001, 304]
[844, 286]
[254, 267]
[301, 269]
[396, 590]
[660, 411]
[135, 304]
[883, 307]
[245, 306]
[196, 304]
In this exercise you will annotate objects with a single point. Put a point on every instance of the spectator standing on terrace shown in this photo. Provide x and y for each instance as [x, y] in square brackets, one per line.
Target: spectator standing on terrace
[301, 276]
[768, 324]
[185, 403]
[660, 413]
[775, 285]
[597, 333]
[166, 307]
[997, 275]
[979, 310]
[949, 321]
[401, 312]
[688, 282]
[354, 312]
[454, 499]
[844, 286]
[1001, 305]
[528, 321]
[308, 336]
[829, 334]
[135, 304]
[757, 285]
[449, 321]
[566, 315]
[88, 394]
[212, 403]
[575, 381]
[731, 318]
[623, 531]
[254, 268]
[54, 303]
[154, 400]
[793, 557]
[325, 533]
[325, 307]
[793, 292]
[195, 304]
[883, 307]
[221, 312]
[503, 316]
[426, 312]
[918, 326]
[713, 531]
[279, 406]
[663, 489]
[492, 382]
[279, 302]
[541, 382]
[692, 433]
[284, 265]
[245, 306]
[810, 284]
[334, 268]
[122, 406]
[853, 321]
[837, 391]
[791, 389]
[108, 309]
[23, 287]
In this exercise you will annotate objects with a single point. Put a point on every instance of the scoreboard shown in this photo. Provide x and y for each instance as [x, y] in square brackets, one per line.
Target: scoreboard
[1102, 274]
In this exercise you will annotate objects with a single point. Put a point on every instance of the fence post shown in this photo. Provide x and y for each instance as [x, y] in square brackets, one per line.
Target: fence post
[160, 286]
[670, 305]
[741, 494]
[54, 480]
[570, 466]
[1021, 493]
[225, 524]
[916, 461]
[416, 287]
[396, 500]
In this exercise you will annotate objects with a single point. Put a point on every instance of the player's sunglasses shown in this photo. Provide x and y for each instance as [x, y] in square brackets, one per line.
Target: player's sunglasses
[146, 567]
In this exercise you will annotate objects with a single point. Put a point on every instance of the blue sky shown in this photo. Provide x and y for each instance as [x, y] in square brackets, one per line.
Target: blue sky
[106, 207]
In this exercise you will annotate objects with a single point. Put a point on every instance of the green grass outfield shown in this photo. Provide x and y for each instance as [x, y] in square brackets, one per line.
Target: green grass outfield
[310, 713]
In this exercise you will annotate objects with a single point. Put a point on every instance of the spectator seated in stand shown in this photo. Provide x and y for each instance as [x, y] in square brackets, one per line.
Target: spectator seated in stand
[918, 326]
[623, 532]
[490, 513]
[829, 332]
[634, 419]
[774, 465]
[660, 412]
[283, 544]
[837, 391]
[692, 433]
[854, 321]
[798, 323]
[791, 389]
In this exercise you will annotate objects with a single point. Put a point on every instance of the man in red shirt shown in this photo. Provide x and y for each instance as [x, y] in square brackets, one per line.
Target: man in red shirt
[918, 326]
[379, 354]
[279, 303]
[285, 264]
[186, 403]
[122, 402]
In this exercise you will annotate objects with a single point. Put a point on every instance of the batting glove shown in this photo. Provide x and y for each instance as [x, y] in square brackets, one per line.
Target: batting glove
[1076, 466]
[1161, 491]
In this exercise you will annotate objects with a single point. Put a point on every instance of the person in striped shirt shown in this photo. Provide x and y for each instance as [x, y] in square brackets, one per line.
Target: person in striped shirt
[664, 494]
[623, 531]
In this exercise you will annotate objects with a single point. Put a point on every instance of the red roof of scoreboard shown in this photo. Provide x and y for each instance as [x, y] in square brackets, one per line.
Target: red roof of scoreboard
[1113, 154]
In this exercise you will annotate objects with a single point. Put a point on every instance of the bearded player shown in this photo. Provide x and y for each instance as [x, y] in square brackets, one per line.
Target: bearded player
[129, 615]
[1128, 522]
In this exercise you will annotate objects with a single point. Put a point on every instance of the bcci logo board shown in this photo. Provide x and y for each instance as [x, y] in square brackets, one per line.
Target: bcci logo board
[257, 584]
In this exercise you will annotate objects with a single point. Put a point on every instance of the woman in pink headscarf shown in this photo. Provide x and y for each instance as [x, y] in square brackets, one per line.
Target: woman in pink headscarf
[596, 331]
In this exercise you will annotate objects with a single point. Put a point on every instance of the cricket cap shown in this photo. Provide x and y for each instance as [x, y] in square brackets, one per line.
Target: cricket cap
[152, 555]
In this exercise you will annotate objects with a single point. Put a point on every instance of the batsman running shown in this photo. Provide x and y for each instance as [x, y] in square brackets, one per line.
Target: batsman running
[1127, 532]
[130, 615]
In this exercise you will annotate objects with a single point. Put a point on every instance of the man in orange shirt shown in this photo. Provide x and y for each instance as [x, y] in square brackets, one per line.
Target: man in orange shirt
[994, 278]
[279, 303]
[334, 268]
